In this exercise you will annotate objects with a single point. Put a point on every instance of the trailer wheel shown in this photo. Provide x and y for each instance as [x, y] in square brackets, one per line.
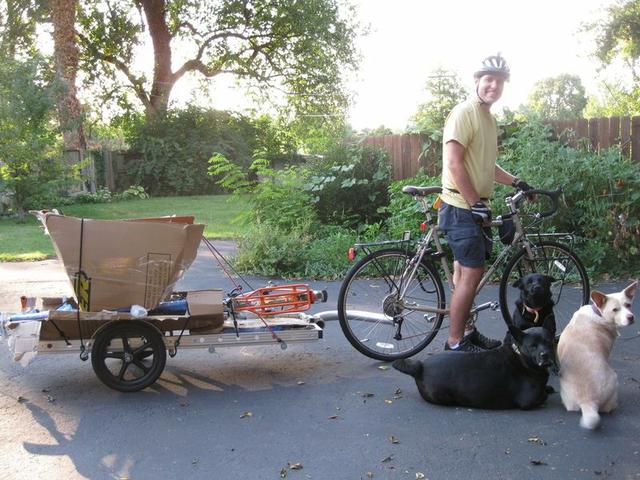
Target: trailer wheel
[128, 355]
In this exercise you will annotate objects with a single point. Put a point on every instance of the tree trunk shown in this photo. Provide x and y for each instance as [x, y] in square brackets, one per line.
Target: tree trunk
[163, 77]
[66, 53]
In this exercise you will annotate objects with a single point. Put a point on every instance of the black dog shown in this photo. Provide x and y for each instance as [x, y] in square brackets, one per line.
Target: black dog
[534, 308]
[511, 376]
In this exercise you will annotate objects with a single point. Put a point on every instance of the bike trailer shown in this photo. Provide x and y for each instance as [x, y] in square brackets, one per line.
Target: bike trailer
[125, 313]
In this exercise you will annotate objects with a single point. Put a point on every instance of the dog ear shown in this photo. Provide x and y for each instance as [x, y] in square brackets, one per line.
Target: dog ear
[630, 291]
[598, 298]
[517, 283]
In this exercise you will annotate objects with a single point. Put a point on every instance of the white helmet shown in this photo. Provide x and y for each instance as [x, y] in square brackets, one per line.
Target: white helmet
[494, 65]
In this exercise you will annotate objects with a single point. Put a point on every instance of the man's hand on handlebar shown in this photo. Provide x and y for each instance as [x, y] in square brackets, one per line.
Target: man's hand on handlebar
[522, 185]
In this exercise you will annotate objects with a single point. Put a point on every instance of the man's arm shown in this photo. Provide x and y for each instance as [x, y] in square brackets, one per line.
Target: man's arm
[504, 177]
[454, 152]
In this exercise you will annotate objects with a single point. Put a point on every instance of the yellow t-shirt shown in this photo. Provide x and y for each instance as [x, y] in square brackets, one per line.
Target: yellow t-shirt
[476, 130]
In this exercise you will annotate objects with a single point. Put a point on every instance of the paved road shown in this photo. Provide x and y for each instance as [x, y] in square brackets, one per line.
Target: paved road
[321, 405]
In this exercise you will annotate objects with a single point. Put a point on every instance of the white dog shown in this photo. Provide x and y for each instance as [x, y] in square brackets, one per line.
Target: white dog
[587, 382]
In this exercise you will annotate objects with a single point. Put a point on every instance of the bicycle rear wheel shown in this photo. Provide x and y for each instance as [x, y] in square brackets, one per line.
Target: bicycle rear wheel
[570, 290]
[375, 319]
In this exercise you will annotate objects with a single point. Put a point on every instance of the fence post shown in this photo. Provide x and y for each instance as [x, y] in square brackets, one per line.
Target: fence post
[625, 136]
[593, 134]
[635, 139]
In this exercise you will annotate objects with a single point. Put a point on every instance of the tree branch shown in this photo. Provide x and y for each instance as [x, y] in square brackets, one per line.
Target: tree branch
[136, 83]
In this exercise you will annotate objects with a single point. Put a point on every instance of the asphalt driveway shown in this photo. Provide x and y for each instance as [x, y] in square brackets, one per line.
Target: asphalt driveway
[314, 411]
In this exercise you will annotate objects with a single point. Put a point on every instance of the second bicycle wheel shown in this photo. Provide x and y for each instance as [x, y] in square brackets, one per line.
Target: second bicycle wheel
[376, 319]
[569, 291]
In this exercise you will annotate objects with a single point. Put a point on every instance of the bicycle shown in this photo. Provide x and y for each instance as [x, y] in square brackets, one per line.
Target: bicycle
[391, 303]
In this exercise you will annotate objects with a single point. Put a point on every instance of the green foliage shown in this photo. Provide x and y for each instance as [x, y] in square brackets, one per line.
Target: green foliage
[326, 255]
[279, 199]
[349, 184]
[271, 250]
[18, 23]
[601, 195]
[133, 192]
[104, 195]
[229, 175]
[175, 150]
[617, 34]
[615, 101]
[558, 98]
[445, 90]
[306, 49]
[30, 164]
[404, 213]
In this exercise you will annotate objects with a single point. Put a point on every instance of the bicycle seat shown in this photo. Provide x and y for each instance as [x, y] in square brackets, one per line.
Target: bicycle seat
[421, 191]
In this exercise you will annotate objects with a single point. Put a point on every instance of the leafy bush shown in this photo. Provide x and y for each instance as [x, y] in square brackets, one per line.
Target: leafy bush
[174, 151]
[272, 251]
[326, 255]
[134, 191]
[30, 147]
[350, 184]
[601, 195]
[403, 212]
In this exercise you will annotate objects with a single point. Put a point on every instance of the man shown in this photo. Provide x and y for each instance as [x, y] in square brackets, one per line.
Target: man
[470, 149]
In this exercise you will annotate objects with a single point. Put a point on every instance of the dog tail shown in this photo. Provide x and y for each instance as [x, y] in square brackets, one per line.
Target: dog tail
[590, 417]
[410, 367]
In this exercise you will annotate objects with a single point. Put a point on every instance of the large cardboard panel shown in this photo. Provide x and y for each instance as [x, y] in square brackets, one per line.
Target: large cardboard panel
[123, 263]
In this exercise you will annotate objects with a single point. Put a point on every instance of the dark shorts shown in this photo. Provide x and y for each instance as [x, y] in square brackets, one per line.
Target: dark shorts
[471, 245]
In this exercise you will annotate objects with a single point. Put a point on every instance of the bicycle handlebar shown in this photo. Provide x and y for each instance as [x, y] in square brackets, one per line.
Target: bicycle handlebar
[554, 195]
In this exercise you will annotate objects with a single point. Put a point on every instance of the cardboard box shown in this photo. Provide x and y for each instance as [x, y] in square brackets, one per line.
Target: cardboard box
[114, 264]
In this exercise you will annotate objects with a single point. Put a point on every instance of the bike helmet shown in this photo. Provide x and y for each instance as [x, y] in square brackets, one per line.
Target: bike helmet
[496, 65]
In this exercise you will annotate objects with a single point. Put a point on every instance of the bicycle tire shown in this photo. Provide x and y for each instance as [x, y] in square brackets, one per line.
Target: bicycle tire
[570, 290]
[369, 292]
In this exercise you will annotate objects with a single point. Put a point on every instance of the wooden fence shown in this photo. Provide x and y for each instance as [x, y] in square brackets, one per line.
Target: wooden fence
[412, 152]
[405, 153]
[602, 133]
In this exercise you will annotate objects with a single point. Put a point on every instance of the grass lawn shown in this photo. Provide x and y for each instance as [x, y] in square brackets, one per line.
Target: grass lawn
[25, 241]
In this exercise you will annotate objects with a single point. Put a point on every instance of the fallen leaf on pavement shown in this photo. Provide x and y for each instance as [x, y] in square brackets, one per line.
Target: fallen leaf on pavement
[246, 414]
[383, 367]
[295, 466]
[537, 440]
[283, 473]
[537, 462]
[393, 439]
[387, 459]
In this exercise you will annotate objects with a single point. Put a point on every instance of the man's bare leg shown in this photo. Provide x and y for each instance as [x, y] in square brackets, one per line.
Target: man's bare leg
[465, 281]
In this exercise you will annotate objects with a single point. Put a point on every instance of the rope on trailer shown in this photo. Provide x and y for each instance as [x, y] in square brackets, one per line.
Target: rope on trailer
[83, 351]
[220, 259]
[64, 337]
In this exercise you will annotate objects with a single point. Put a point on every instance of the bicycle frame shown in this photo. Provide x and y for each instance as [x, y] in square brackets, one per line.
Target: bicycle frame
[520, 240]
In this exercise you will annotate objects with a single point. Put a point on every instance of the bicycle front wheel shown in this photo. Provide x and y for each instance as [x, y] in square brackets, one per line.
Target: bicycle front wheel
[377, 318]
[569, 291]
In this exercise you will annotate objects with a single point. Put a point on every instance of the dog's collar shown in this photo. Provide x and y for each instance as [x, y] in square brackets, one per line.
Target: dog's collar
[534, 311]
[595, 309]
